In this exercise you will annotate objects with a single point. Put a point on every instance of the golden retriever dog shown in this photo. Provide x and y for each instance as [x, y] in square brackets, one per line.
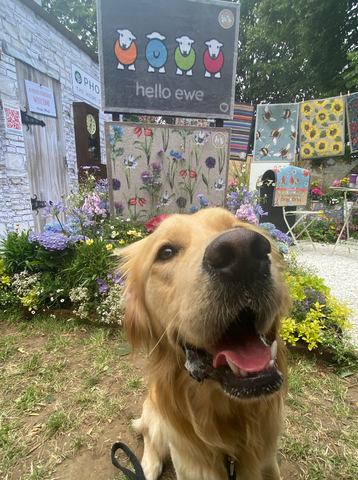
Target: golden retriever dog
[204, 294]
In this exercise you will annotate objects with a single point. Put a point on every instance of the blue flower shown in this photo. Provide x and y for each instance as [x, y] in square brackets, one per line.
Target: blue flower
[118, 130]
[193, 209]
[175, 154]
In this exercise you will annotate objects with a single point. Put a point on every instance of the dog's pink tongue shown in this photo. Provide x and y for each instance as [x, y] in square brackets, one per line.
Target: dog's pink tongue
[251, 354]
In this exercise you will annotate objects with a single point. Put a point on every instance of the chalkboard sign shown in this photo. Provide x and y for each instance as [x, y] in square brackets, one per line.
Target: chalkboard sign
[163, 57]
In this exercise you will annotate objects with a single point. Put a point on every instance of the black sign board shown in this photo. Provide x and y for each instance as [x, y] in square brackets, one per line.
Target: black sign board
[175, 57]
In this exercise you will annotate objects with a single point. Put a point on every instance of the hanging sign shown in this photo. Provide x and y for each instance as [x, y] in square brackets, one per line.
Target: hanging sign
[40, 98]
[85, 86]
[177, 59]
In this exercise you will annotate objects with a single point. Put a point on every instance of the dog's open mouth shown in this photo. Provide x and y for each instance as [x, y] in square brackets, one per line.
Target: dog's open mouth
[242, 361]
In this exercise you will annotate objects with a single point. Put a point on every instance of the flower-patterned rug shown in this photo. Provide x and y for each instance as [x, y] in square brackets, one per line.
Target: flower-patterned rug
[156, 169]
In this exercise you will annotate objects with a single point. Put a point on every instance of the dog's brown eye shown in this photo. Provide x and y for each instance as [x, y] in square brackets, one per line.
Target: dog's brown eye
[166, 253]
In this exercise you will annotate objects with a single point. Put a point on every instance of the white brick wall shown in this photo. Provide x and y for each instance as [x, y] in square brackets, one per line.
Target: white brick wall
[20, 27]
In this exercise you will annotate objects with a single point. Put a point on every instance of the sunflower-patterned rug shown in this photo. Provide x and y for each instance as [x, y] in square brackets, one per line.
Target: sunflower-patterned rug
[322, 128]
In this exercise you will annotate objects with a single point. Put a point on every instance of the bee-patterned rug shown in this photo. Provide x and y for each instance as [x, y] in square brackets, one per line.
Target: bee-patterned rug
[276, 131]
[321, 126]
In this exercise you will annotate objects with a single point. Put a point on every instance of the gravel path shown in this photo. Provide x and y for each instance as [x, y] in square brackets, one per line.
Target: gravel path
[340, 272]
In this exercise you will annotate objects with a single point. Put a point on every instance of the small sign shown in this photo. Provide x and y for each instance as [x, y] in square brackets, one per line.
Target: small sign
[12, 118]
[85, 86]
[41, 99]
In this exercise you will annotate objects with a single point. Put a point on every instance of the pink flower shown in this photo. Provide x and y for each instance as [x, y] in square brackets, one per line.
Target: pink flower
[336, 183]
[233, 183]
[154, 222]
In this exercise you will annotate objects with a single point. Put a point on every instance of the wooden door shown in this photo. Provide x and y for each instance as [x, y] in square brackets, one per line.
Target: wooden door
[44, 146]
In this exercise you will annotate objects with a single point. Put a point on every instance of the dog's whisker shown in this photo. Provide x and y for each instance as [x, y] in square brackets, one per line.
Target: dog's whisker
[162, 336]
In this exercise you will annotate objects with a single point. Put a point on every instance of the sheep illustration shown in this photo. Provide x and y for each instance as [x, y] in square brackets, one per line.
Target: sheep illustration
[184, 55]
[125, 49]
[213, 58]
[156, 52]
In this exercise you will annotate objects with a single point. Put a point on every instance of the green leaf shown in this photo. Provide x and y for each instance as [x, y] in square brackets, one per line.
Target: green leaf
[205, 180]
[323, 134]
[332, 117]
[324, 124]
[338, 139]
[314, 121]
[344, 374]
[328, 106]
[49, 399]
[123, 350]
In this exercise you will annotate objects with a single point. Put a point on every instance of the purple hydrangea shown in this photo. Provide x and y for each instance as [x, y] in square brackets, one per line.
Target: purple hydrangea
[49, 240]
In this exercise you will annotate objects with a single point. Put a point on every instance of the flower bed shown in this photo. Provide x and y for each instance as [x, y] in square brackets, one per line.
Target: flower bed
[71, 268]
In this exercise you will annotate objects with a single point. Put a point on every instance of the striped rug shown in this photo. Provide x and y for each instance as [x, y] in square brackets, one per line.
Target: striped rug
[241, 127]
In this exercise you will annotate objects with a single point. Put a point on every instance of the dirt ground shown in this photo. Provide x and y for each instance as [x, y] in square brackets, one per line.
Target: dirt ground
[116, 378]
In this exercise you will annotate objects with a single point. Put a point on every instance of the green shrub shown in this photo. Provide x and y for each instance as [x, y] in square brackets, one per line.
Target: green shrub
[18, 254]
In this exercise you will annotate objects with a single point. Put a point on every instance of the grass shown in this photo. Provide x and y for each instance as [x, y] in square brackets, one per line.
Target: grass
[66, 395]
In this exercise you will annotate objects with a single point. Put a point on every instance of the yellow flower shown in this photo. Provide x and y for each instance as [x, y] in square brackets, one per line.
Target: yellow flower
[109, 246]
[320, 103]
[337, 107]
[332, 227]
[89, 241]
[306, 127]
[121, 241]
[307, 151]
[321, 116]
[333, 131]
[138, 234]
[322, 146]
[337, 147]
[306, 109]
[313, 133]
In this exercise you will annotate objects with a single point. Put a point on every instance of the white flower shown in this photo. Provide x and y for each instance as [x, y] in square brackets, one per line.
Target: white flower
[62, 300]
[200, 138]
[130, 162]
[165, 200]
[51, 299]
[219, 185]
[112, 227]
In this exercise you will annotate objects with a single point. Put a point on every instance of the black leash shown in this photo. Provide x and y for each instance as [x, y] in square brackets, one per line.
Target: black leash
[138, 472]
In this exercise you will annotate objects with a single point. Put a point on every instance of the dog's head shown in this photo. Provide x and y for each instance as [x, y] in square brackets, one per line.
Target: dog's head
[210, 286]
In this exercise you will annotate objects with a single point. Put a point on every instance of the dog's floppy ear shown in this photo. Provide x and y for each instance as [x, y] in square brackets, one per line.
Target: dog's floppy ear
[136, 319]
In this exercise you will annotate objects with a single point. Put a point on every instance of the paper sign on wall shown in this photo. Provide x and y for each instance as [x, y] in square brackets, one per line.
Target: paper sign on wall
[41, 99]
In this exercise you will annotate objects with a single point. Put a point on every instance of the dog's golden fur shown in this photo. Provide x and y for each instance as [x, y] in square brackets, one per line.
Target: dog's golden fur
[172, 301]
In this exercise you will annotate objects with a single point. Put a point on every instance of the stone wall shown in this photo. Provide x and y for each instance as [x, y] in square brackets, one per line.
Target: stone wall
[26, 35]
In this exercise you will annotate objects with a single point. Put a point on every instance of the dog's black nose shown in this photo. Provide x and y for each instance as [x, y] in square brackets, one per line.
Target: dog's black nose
[238, 255]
